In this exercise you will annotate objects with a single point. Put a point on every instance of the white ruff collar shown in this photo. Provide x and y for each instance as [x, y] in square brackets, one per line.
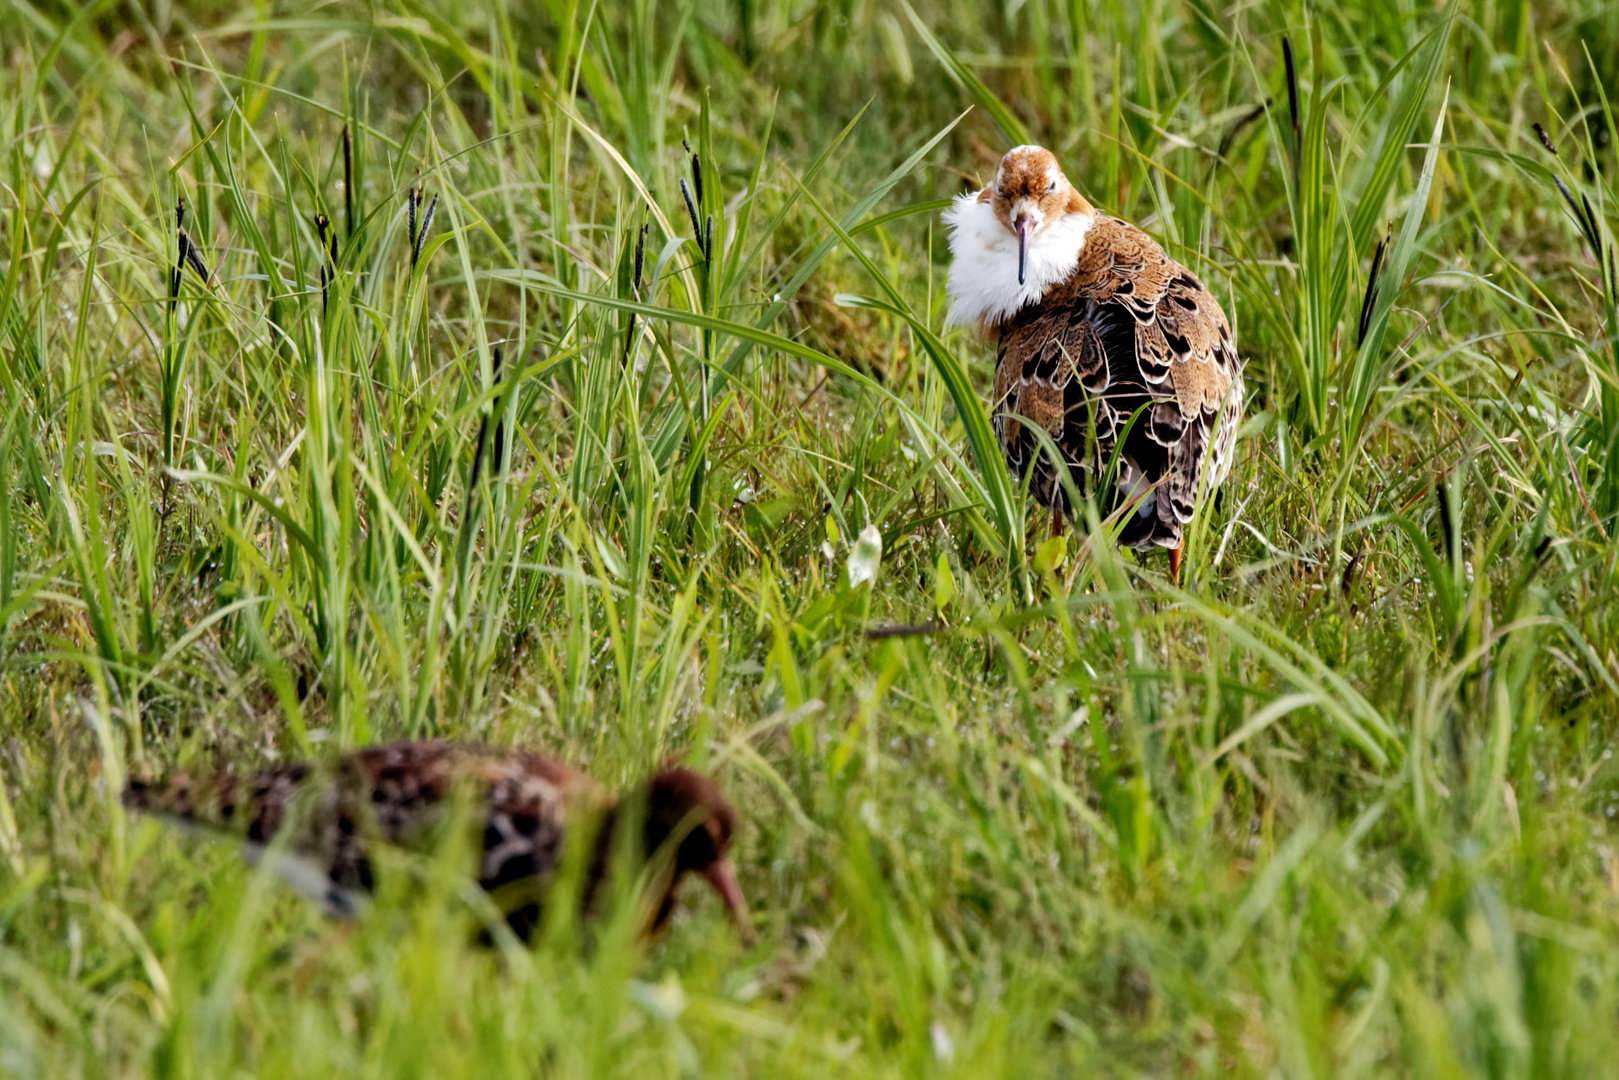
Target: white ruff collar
[983, 261]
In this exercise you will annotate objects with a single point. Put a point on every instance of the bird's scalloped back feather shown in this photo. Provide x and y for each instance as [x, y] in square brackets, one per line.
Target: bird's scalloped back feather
[1130, 333]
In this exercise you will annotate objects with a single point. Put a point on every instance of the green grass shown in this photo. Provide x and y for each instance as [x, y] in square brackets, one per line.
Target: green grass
[1342, 804]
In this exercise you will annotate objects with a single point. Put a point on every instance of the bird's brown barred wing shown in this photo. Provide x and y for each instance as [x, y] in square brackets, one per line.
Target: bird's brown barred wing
[1130, 331]
[1197, 426]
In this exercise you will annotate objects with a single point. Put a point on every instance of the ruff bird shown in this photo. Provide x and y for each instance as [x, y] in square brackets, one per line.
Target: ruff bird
[522, 805]
[1116, 350]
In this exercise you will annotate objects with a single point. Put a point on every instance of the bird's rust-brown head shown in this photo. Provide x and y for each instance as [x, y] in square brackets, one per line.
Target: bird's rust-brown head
[1029, 195]
[688, 810]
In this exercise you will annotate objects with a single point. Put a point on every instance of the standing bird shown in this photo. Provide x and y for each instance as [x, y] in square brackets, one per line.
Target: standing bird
[522, 805]
[1099, 331]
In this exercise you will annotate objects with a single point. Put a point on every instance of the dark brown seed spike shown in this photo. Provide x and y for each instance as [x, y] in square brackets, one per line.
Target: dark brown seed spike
[410, 198]
[1372, 289]
[1574, 207]
[697, 177]
[635, 290]
[190, 256]
[1370, 302]
[500, 425]
[427, 223]
[182, 246]
[708, 240]
[348, 180]
[1545, 139]
[199, 266]
[691, 211]
[483, 431]
[1593, 231]
[325, 279]
[640, 260]
[1292, 83]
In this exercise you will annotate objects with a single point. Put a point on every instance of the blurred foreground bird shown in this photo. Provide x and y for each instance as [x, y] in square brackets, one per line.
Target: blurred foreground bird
[522, 804]
[1107, 343]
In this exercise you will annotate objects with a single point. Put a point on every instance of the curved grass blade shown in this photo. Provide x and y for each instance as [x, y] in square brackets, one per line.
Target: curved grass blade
[963, 76]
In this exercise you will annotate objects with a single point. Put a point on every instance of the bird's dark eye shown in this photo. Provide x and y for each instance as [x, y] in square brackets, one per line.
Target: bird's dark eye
[1052, 188]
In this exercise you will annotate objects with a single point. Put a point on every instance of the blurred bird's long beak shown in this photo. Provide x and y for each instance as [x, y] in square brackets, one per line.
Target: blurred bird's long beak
[1023, 226]
[722, 875]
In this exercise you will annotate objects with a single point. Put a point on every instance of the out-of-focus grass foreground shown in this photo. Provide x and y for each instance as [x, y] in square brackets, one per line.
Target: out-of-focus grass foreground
[587, 452]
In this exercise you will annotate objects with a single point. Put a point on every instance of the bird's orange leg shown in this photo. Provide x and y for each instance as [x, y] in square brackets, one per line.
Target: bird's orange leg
[1175, 554]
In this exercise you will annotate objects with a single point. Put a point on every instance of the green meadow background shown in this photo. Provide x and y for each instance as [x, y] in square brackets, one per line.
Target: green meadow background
[629, 470]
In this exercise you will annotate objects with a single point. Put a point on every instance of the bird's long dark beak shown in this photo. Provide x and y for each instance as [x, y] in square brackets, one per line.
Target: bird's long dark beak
[1021, 227]
[722, 875]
